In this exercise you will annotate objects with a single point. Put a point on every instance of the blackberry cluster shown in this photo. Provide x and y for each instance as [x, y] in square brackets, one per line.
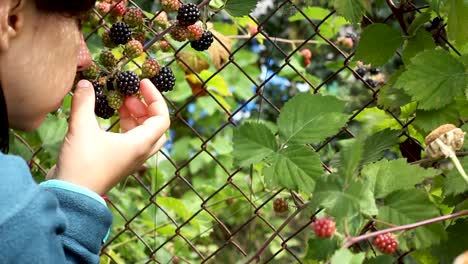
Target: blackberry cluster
[128, 83]
[101, 105]
[120, 33]
[204, 42]
[164, 80]
[188, 14]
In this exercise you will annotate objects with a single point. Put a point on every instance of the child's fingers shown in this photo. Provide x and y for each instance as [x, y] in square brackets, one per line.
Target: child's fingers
[127, 122]
[136, 108]
[153, 99]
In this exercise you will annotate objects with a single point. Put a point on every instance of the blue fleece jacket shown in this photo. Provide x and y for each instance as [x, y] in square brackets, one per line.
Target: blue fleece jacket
[54, 222]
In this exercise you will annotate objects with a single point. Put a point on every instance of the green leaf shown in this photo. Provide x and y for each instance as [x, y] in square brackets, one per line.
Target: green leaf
[431, 119]
[252, 143]
[350, 159]
[174, 204]
[418, 22]
[352, 10]
[455, 244]
[312, 12]
[376, 144]
[240, 8]
[52, 133]
[434, 78]
[384, 259]
[215, 83]
[420, 42]
[309, 119]
[345, 256]
[454, 183]
[390, 97]
[342, 202]
[457, 21]
[320, 249]
[387, 176]
[410, 206]
[378, 44]
[295, 167]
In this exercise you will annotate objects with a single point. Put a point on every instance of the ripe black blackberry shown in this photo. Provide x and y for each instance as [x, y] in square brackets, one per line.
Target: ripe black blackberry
[372, 83]
[164, 80]
[374, 71]
[204, 42]
[188, 14]
[101, 105]
[128, 82]
[361, 71]
[120, 33]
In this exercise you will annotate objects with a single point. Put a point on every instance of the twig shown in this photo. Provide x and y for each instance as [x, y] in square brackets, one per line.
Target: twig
[397, 12]
[352, 240]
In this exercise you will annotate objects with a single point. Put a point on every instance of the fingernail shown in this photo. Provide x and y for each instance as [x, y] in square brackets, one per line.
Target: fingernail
[83, 84]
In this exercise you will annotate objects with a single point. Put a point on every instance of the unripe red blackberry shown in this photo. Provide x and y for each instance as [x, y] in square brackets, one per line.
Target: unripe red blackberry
[170, 5]
[179, 33]
[107, 41]
[195, 32]
[120, 33]
[204, 42]
[134, 17]
[164, 45]
[150, 68]
[133, 49]
[119, 9]
[128, 83]
[103, 8]
[280, 205]
[386, 243]
[324, 227]
[164, 80]
[188, 14]
[175, 260]
[107, 59]
[139, 35]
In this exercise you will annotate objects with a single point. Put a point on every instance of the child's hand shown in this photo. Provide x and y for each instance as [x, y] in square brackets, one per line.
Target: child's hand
[98, 160]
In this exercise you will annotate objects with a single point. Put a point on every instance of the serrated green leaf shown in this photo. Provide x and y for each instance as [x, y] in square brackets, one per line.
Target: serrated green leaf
[295, 167]
[455, 244]
[376, 144]
[433, 79]
[387, 176]
[350, 159]
[342, 202]
[390, 97]
[420, 42]
[174, 204]
[352, 10]
[52, 133]
[429, 120]
[454, 183]
[309, 119]
[378, 44]
[457, 21]
[240, 8]
[320, 249]
[215, 83]
[345, 256]
[253, 142]
[410, 206]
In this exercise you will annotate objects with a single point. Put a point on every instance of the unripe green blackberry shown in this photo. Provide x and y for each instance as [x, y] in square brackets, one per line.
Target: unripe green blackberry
[150, 68]
[164, 80]
[161, 19]
[179, 33]
[133, 49]
[107, 59]
[195, 32]
[120, 33]
[128, 83]
[134, 17]
[170, 5]
[188, 14]
[204, 42]
[107, 41]
[92, 72]
[115, 99]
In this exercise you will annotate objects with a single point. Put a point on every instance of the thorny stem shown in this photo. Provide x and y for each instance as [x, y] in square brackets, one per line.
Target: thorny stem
[352, 240]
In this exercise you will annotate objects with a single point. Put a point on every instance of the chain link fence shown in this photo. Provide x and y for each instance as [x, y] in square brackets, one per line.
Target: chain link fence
[231, 222]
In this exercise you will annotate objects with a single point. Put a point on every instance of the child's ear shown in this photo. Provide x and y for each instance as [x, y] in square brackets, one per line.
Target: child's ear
[11, 21]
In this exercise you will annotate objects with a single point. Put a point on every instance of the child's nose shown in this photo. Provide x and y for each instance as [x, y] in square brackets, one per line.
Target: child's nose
[84, 56]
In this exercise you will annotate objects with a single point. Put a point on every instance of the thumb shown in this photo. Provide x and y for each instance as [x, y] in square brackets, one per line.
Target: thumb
[82, 109]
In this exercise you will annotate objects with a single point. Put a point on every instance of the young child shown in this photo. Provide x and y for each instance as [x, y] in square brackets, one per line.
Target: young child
[64, 219]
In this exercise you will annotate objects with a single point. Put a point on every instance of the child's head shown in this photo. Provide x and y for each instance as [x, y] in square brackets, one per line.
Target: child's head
[40, 43]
